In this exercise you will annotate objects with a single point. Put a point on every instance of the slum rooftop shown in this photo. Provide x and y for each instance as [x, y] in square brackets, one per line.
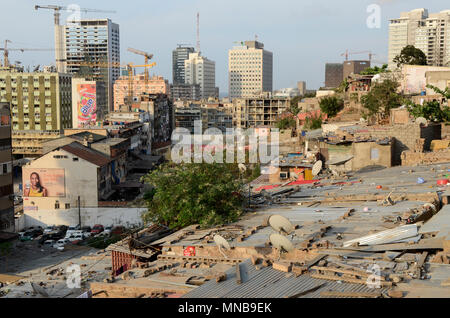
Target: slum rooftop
[342, 227]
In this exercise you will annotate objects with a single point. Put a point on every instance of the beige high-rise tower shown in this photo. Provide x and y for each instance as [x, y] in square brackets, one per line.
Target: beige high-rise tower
[427, 32]
[250, 70]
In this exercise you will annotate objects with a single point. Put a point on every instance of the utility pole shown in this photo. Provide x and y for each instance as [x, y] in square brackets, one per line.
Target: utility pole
[79, 212]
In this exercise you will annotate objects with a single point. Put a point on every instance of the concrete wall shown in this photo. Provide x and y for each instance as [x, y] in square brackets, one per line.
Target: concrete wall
[89, 217]
[405, 136]
[370, 153]
[441, 79]
[410, 158]
[80, 180]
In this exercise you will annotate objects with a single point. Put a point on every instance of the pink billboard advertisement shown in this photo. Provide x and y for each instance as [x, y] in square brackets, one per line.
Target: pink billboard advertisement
[87, 105]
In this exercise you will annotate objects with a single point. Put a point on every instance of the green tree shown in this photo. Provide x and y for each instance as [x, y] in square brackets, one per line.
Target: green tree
[375, 70]
[194, 193]
[381, 98]
[331, 105]
[445, 93]
[294, 104]
[430, 110]
[410, 55]
[313, 122]
[286, 121]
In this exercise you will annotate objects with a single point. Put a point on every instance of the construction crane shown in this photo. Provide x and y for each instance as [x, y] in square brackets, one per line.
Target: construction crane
[6, 51]
[59, 56]
[148, 56]
[347, 53]
[129, 67]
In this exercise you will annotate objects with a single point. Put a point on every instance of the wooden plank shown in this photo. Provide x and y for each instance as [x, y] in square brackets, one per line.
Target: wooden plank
[348, 280]
[350, 294]
[238, 274]
[344, 271]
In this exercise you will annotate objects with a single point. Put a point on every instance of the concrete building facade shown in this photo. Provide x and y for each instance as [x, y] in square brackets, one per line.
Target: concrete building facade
[427, 32]
[6, 177]
[75, 171]
[334, 74]
[41, 107]
[256, 112]
[155, 85]
[93, 46]
[199, 70]
[354, 67]
[179, 55]
[185, 92]
[250, 70]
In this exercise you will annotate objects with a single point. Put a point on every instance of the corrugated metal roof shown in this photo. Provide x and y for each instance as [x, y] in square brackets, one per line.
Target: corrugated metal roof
[87, 154]
[269, 283]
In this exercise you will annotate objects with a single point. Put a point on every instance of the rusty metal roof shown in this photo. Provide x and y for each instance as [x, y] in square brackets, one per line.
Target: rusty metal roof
[88, 154]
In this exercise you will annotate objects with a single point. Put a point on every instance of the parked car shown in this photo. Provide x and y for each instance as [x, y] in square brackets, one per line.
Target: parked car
[49, 242]
[86, 235]
[118, 230]
[77, 239]
[86, 229]
[43, 238]
[31, 234]
[72, 229]
[60, 244]
[97, 228]
[108, 230]
[49, 229]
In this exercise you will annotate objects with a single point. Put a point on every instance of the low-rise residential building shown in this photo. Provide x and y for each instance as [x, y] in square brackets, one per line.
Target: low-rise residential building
[67, 177]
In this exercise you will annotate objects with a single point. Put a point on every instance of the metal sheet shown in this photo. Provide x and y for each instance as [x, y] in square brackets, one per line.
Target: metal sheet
[385, 237]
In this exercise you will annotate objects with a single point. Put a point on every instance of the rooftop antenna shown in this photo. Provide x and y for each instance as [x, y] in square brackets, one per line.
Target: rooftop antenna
[281, 224]
[198, 32]
[256, 37]
[221, 243]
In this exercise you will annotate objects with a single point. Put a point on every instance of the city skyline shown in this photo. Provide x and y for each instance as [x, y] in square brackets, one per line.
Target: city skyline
[292, 32]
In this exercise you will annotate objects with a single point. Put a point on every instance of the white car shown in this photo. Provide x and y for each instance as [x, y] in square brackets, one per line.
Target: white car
[108, 230]
[49, 229]
[76, 237]
[60, 244]
[49, 243]
[86, 234]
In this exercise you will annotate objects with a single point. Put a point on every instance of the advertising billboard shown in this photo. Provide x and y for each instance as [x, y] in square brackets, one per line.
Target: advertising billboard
[87, 104]
[43, 182]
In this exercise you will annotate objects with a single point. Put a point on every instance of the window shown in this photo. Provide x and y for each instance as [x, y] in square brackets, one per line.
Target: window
[5, 168]
[75, 159]
[374, 154]
[67, 205]
[57, 205]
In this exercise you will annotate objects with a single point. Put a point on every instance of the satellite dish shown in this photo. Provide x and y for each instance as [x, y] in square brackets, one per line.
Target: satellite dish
[421, 120]
[242, 167]
[316, 168]
[281, 224]
[295, 175]
[221, 242]
[281, 242]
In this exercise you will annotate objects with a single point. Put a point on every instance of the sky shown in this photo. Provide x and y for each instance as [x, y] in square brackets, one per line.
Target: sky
[302, 34]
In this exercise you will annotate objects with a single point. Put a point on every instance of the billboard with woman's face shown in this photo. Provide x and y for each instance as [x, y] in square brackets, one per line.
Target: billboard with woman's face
[39, 182]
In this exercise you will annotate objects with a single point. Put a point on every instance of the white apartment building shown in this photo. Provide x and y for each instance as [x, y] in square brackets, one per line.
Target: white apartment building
[250, 70]
[199, 70]
[427, 32]
[98, 42]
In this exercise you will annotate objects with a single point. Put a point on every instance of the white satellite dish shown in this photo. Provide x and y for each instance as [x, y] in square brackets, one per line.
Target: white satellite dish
[281, 224]
[281, 242]
[317, 167]
[242, 167]
[421, 120]
[221, 243]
